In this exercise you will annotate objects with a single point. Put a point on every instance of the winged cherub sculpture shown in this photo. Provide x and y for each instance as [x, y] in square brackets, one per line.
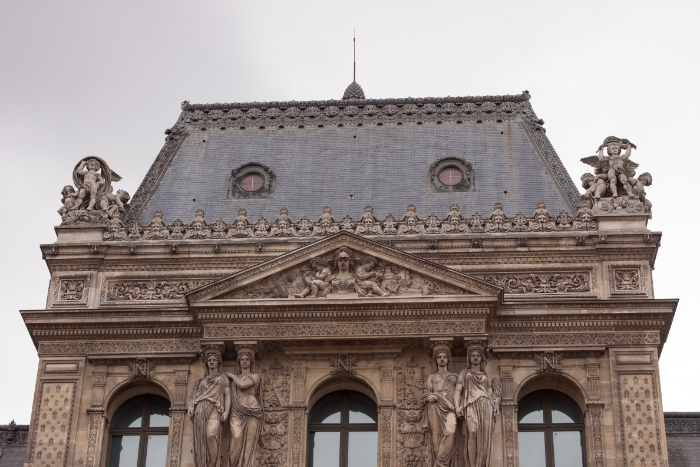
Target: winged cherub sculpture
[616, 169]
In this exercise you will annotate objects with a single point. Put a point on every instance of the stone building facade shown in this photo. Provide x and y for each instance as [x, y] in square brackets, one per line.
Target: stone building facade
[505, 319]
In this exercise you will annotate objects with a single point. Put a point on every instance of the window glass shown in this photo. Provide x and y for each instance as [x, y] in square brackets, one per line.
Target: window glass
[327, 410]
[325, 449]
[124, 451]
[157, 451]
[564, 409]
[252, 182]
[362, 448]
[568, 451]
[160, 413]
[130, 414]
[531, 449]
[531, 408]
[362, 409]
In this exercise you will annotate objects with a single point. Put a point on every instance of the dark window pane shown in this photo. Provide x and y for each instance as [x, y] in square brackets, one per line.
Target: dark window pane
[124, 451]
[325, 449]
[160, 412]
[327, 410]
[362, 448]
[531, 448]
[530, 408]
[157, 451]
[568, 451]
[362, 409]
[129, 415]
[564, 409]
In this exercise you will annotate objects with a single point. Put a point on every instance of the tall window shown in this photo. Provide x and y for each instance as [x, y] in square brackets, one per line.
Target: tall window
[138, 434]
[550, 431]
[343, 431]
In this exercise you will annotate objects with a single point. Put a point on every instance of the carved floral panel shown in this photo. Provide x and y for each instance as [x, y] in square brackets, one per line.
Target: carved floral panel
[411, 447]
[71, 290]
[639, 420]
[627, 279]
[568, 283]
[166, 289]
[273, 446]
[52, 424]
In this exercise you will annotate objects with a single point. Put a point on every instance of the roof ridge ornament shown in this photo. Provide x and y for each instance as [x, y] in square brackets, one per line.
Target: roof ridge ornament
[354, 90]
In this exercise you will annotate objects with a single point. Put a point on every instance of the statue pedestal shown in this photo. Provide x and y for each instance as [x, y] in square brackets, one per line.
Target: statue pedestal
[79, 234]
[623, 213]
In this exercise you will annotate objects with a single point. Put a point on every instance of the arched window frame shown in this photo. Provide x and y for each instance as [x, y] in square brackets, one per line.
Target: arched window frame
[548, 427]
[144, 431]
[344, 427]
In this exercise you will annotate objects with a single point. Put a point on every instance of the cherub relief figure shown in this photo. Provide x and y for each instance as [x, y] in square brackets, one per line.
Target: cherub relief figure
[595, 186]
[367, 279]
[638, 185]
[615, 168]
[439, 417]
[317, 281]
[69, 199]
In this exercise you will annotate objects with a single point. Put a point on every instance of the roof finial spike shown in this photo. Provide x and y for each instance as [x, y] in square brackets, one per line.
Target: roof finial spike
[354, 63]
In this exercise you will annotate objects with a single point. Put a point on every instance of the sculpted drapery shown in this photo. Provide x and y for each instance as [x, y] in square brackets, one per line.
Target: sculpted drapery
[439, 418]
[209, 407]
[477, 400]
[246, 410]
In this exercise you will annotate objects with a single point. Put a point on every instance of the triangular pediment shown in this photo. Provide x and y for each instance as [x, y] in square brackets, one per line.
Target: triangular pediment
[344, 266]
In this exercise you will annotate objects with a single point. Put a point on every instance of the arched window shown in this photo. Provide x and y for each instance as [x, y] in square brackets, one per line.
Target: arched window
[550, 431]
[138, 434]
[343, 431]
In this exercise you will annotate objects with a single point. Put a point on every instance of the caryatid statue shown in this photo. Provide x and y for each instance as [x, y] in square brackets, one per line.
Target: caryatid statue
[439, 417]
[477, 400]
[209, 407]
[246, 409]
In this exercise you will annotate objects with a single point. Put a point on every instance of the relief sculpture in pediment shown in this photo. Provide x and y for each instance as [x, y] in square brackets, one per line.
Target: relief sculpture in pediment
[344, 274]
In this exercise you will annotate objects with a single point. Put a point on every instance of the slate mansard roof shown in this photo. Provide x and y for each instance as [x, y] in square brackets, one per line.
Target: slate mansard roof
[350, 153]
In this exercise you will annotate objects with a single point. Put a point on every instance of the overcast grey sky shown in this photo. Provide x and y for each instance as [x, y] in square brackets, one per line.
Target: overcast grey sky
[82, 78]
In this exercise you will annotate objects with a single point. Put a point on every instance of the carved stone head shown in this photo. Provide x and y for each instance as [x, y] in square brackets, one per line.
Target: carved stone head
[476, 355]
[441, 350]
[343, 254]
[245, 356]
[212, 360]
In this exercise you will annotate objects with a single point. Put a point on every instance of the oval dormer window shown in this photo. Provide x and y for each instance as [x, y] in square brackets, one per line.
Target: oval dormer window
[252, 182]
[450, 176]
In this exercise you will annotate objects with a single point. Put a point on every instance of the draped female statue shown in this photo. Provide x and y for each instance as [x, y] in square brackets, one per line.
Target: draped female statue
[439, 416]
[209, 407]
[478, 402]
[246, 410]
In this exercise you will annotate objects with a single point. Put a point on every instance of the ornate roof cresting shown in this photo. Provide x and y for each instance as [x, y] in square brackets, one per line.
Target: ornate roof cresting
[353, 91]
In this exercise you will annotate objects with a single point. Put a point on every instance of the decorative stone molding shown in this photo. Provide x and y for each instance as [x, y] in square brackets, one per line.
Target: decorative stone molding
[343, 363]
[71, 289]
[411, 448]
[95, 418]
[682, 422]
[596, 411]
[510, 427]
[297, 435]
[349, 330]
[142, 367]
[177, 418]
[119, 347]
[368, 225]
[627, 279]
[634, 358]
[572, 339]
[385, 429]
